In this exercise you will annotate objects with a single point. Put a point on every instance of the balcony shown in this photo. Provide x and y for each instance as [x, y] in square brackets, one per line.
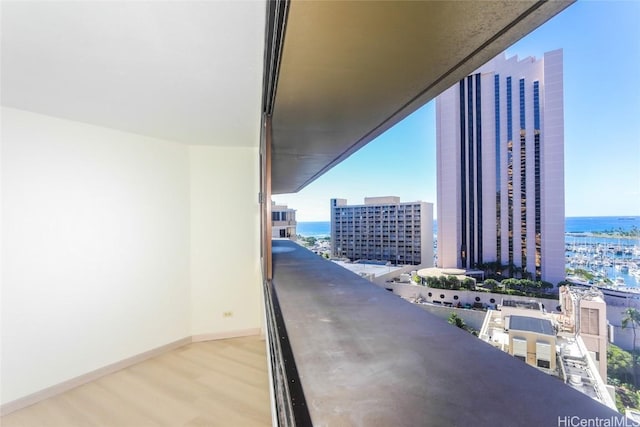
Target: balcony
[364, 356]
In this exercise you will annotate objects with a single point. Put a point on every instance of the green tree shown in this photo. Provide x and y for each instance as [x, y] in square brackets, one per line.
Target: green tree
[546, 286]
[452, 282]
[433, 282]
[527, 285]
[631, 318]
[456, 320]
[511, 283]
[490, 284]
[619, 364]
[469, 283]
[626, 397]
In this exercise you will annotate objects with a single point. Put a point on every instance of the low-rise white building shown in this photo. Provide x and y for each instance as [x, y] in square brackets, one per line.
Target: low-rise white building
[283, 222]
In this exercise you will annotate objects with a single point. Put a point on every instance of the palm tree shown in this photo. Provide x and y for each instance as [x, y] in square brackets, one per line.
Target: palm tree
[631, 317]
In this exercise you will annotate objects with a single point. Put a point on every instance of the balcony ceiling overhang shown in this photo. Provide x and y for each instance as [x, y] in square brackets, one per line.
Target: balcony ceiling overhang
[351, 70]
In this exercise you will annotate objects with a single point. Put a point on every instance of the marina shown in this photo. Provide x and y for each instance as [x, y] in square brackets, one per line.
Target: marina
[604, 261]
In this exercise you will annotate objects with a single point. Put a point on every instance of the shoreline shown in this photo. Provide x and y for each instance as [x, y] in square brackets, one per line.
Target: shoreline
[601, 235]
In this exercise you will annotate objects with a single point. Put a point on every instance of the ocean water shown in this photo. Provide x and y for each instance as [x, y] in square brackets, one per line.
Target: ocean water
[578, 232]
[584, 224]
[577, 225]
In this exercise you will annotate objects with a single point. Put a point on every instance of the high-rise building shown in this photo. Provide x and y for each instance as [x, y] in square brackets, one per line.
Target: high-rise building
[283, 222]
[383, 229]
[500, 166]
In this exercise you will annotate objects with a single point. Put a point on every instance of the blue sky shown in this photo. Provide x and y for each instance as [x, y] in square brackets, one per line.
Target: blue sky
[601, 44]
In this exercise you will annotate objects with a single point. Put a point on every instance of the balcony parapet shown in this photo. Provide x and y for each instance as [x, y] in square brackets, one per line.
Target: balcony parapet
[366, 357]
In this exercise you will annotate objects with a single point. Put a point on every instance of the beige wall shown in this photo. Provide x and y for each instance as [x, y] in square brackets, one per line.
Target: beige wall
[597, 343]
[532, 338]
[225, 245]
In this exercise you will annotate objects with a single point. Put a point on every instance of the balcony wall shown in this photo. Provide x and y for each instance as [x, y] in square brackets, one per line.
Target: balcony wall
[366, 357]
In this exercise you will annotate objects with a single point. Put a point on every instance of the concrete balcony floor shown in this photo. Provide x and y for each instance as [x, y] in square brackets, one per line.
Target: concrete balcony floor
[366, 357]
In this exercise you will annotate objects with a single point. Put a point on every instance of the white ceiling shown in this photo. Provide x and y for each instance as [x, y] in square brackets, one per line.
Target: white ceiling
[179, 70]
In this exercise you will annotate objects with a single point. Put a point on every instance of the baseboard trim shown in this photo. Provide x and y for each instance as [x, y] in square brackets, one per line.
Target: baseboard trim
[72, 383]
[226, 335]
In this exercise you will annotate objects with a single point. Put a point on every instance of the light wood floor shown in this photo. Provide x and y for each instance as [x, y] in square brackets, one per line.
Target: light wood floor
[214, 383]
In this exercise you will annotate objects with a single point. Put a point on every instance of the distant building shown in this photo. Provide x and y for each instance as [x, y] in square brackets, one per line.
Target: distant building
[283, 222]
[383, 229]
[584, 313]
[500, 167]
[571, 345]
[533, 340]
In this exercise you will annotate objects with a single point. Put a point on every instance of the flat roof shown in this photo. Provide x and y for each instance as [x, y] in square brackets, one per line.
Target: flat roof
[437, 272]
[531, 324]
[529, 305]
[360, 268]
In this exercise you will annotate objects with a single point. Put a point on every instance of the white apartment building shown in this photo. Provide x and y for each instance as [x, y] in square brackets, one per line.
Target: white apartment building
[383, 229]
[500, 166]
[283, 222]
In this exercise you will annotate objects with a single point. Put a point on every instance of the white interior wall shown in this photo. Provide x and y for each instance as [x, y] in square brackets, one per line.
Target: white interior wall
[225, 243]
[95, 236]
[115, 244]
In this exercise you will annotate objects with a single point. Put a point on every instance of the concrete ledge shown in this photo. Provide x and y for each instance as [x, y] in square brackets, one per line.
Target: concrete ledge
[366, 357]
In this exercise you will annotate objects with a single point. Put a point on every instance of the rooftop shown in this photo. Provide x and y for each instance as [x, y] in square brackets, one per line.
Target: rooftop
[580, 371]
[363, 268]
[531, 324]
[529, 305]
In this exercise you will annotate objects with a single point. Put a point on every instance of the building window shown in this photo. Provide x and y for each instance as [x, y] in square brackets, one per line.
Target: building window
[523, 178]
[496, 87]
[470, 175]
[463, 183]
[537, 180]
[455, 297]
[589, 321]
[543, 364]
[479, 258]
[510, 170]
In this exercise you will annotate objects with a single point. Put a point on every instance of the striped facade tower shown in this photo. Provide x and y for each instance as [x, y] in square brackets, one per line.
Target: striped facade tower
[500, 167]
